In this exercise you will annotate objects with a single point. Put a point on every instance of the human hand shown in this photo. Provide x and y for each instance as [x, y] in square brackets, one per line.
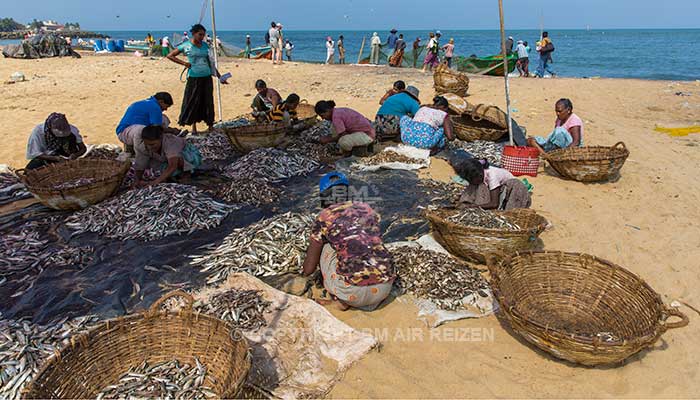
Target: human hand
[188, 65]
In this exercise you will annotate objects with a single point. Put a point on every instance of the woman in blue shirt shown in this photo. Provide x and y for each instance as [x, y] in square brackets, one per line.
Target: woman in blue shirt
[198, 102]
[387, 121]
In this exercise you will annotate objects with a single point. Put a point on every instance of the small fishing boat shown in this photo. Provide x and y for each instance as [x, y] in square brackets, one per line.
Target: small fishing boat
[492, 65]
[257, 53]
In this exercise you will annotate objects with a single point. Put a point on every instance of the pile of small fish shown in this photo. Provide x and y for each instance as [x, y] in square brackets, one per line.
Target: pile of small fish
[435, 276]
[104, 152]
[151, 213]
[255, 192]
[233, 123]
[11, 189]
[213, 146]
[163, 380]
[480, 149]
[25, 346]
[480, 218]
[440, 193]
[269, 247]
[320, 153]
[243, 308]
[390, 157]
[271, 165]
[130, 176]
[313, 134]
[75, 183]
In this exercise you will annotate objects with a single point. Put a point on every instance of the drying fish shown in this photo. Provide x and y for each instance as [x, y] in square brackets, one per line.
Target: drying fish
[24, 346]
[435, 276]
[269, 247]
[233, 123]
[479, 149]
[75, 183]
[244, 309]
[151, 213]
[313, 134]
[478, 217]
[390, 157]
[11, 188]
[440, 193]
[130, 178]
[271, 165]
[163, 380]
[321, 153]
[213, 146]
[104, 152]
[255, 192]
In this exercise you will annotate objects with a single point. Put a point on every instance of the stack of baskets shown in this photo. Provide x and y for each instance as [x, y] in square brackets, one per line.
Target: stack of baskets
[450, 81]
[578, 307]
[105, 178]
[99, 357]
[589, 164]
[477, 243]
[482, 122]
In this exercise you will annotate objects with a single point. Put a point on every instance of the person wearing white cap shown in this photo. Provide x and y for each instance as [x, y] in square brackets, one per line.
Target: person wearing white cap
[247, 46]
[509, 45]
[376, 45]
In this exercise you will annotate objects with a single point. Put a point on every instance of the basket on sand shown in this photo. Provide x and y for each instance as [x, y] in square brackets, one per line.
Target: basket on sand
[101, 178]
[450, 81]
[476, 243]
[247, 138]
[99, 357]
[481, 122]
[307, 114]
[589, 164]
[578, 307]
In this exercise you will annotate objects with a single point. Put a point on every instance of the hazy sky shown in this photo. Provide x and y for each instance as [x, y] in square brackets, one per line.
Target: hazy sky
[361, 14]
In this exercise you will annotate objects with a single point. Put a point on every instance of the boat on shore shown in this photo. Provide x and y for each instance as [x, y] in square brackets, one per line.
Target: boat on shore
[491, 65]
[257, 53]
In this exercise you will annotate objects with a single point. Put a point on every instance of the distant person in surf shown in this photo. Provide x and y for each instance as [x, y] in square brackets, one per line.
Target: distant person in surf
[449, 52]
[341, 49]
[330, 50]
[288, 47]
[247, 46]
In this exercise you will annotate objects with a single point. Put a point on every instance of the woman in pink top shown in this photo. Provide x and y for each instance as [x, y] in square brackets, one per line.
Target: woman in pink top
[449, 52]
[351, 129]
[491, 188]
[568, 130]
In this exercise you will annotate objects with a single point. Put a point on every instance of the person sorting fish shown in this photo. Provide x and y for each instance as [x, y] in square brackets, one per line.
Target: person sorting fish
[346, 243]
[387, 122]
[491, 188]
[265, 100]
[170, 154]
[54, 141]
[353, 132]
[144, 113]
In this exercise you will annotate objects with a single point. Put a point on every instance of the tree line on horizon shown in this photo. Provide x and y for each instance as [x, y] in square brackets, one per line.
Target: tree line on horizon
[10, 25]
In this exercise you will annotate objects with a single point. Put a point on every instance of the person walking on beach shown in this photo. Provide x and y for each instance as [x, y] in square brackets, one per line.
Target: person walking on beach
[449, 52]
[247, 46]
[198, 101]
[376, 43]
[523, 62]
[330, 50]
[416, 52]
[341, 50]
[288, 47]
[397, 58]
[431, 57]
[165, 46]
[545, 48]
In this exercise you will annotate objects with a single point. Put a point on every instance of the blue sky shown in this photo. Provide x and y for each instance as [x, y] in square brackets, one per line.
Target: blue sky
[362, 14]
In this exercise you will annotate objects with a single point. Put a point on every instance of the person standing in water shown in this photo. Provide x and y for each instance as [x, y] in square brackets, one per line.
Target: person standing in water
[449, 52]
[330, 50]
[376, 43]
[416, 52]
[247, 46]
[341, 50]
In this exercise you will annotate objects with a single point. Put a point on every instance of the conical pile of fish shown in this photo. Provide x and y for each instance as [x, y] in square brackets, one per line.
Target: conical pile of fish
[269, 247]
[244, 309]
[480, 218]
[480, 149]
[437, 277]
[255, 192]
[232, 123]
[212, 146]
[163, 380]
[151, 213]
[271, 165]
[25, 346]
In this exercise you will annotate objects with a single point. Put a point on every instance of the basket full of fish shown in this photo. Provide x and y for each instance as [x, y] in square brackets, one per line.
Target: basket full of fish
[474, 233]
[246, 135]
[155, 354]
[75, 184]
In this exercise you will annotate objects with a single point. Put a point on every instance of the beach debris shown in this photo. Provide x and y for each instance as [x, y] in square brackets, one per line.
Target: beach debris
[24, 346]
[481, 218]
[232, 123]
[437, 277]
[74, 183]
[11, 188]
[270, 247]
[162, 380]
[389, 156]
[17, 77]
[212, 146]
[151, 213]
[254, 192]
[270, 165]
[479, 149]
[244, 309]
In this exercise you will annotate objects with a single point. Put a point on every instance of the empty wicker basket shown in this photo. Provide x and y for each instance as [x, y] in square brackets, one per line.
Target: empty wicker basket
[103, 178]
[589, 164]
[481, 122]
[255, 136]
[450, 81]
[578, 307]
[99, 357]
[307, 114]
[476, 243]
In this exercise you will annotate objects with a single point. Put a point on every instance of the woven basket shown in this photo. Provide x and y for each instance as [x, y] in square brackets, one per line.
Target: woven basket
[41, 182]
[476, 243]
[255, 136]
[307, 114]
[578, 307]
[450, 81]
[100, 356]
[481, 122]
[589, 164]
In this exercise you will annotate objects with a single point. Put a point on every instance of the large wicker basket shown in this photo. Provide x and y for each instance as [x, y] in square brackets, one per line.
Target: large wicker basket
[578, 307]
[589, 164]
[450, 81]
[99, 357]
[255, 136]
[106, 175]
[476, 243]
[307, 114]
[481, 122]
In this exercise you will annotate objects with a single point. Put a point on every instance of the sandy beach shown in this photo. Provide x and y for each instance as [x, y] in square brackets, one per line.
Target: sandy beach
[646, 222]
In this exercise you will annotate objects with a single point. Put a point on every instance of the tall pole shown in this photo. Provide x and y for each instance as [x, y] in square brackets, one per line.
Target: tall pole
[505, 70]
[216, 59]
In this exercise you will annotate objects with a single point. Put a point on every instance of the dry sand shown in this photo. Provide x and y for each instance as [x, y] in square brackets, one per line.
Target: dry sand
[646, 222]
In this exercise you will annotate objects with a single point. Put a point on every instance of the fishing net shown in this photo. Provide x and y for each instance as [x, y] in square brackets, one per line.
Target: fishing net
[385, 53]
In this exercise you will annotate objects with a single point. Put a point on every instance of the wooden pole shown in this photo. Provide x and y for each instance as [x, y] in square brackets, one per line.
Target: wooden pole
[216, 60]
[505, 70]
[362, 48]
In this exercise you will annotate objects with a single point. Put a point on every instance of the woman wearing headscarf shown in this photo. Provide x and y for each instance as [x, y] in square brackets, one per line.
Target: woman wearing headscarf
[54, 141]
[198, 101]
[330, 50]
[376, 43]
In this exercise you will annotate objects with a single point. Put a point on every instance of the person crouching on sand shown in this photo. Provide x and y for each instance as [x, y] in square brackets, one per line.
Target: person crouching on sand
[141, 114]
[491, 188]
[568, 130]
[396, 88]
[285, 111]
[387, 123]
[346, 243]
[353, 132]
[54, 141]
[170, 154]
[429, 128]
[265, 100]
